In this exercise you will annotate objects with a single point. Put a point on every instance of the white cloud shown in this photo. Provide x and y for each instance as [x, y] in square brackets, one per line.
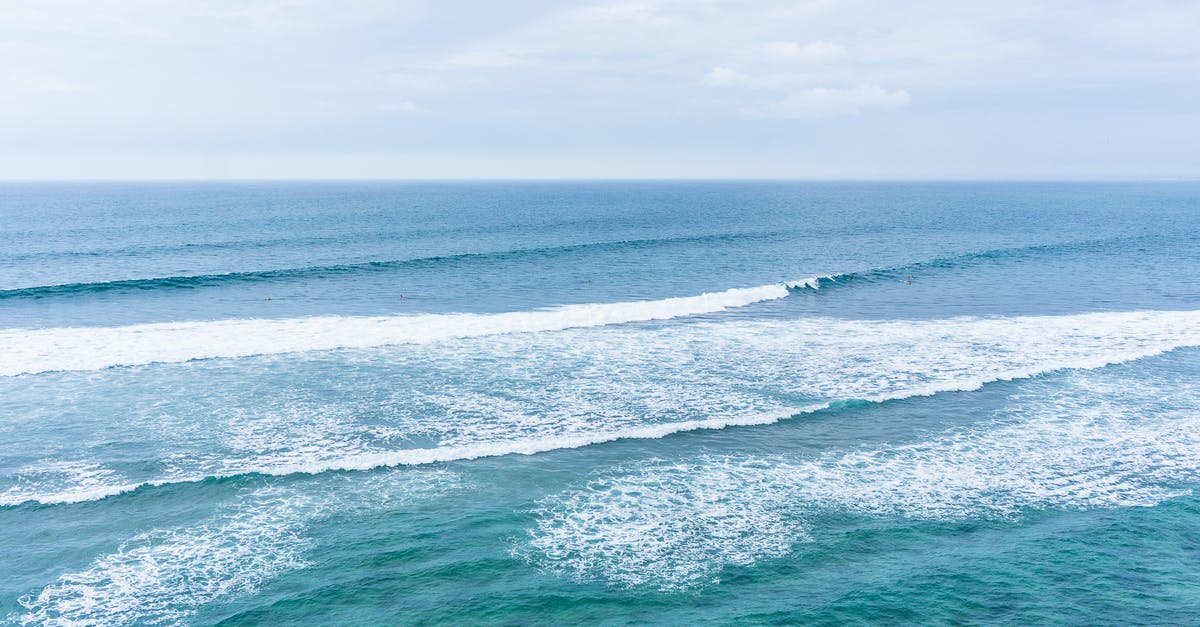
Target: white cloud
[721, 76]
[584, 75]
[825, 102]
[814, 52]
[619, 12]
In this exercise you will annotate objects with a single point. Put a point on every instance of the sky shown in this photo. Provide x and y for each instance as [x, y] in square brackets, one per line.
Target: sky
[417, 89]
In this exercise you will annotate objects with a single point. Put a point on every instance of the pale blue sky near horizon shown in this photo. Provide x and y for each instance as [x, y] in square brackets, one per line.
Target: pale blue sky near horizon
[422, 89]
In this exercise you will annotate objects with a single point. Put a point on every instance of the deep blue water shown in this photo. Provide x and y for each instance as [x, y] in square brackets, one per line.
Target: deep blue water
[612, 402]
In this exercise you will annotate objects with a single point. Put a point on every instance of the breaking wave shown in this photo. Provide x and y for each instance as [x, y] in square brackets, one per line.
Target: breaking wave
[424, 404]
[30, 351]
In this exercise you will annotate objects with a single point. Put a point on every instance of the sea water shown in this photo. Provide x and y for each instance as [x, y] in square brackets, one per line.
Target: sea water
[609, 402]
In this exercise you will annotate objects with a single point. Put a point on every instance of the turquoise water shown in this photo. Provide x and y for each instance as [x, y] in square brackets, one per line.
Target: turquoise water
[599, 403]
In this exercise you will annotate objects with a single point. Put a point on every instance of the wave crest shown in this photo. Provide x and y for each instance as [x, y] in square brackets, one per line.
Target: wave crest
[31, 351]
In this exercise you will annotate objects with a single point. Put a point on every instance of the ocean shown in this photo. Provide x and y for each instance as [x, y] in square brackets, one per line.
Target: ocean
[599, 403]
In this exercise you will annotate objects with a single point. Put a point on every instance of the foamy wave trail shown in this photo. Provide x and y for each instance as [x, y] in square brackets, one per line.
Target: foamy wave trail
[76, 482]
[667, 525]
[427, 403]
[30, 351]
[64, 481]
[1087, 440]
[164, 576]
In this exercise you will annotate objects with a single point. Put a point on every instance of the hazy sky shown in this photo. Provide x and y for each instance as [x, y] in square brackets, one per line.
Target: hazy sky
[641, 89]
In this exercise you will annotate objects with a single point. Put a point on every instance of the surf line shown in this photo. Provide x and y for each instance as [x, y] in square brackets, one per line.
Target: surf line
[367, 460]
[31, 351]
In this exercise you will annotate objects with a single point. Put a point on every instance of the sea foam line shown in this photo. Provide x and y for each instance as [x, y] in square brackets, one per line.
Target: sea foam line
[164, 576]
[822, 360]
[1123, 438]
[363, 461]
[31, 351]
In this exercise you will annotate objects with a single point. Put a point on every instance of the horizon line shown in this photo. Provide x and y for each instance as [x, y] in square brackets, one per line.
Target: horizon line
[482, 179]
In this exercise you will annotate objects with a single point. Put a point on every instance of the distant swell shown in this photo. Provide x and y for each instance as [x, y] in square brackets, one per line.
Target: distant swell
[30, 351]
[338, 270]
[977, 258]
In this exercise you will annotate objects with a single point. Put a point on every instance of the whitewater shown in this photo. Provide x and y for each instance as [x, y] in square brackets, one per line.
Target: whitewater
[830, 361]
[31, 351]
[344, 403]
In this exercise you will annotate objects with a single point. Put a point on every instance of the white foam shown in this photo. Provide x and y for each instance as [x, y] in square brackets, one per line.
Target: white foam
[651, 527]
[28, 351]
[162, 576]
[63, 481]
[1089, 440]
[165, 575]
[508, 394]
[812, 282]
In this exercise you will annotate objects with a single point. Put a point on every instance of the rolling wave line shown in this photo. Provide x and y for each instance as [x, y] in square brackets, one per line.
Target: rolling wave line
[193, 281]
